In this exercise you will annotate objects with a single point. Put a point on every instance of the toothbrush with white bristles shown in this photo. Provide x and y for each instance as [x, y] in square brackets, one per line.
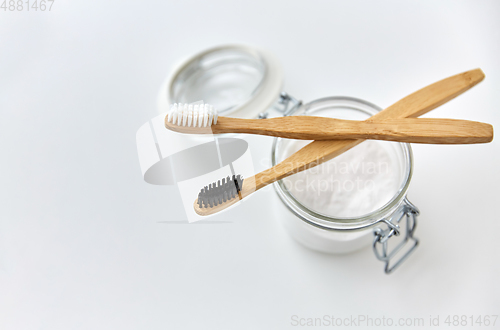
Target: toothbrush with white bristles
[204, 119]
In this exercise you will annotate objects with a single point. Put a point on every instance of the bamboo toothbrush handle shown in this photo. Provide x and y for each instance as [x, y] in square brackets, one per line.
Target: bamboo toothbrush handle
[413, 105]
[430, 130]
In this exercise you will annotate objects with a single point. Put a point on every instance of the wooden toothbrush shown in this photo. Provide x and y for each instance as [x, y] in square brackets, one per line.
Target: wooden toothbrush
[216, 197]
[411, 130]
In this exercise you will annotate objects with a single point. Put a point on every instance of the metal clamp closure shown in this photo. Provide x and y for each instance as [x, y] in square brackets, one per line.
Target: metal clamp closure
[381, 236]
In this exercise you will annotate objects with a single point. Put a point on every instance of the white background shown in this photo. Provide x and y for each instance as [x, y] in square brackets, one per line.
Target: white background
[85, 243]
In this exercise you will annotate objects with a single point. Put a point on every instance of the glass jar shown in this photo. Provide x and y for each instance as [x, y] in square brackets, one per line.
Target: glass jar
[347, 214]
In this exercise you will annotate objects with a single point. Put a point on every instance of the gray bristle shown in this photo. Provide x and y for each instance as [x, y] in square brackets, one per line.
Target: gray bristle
[220, 192]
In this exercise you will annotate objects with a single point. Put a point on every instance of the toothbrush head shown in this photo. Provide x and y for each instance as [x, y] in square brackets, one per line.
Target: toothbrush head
[189, 115]
[216, 194]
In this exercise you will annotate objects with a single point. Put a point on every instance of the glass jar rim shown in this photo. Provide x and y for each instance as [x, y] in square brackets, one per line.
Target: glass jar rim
[344, 223]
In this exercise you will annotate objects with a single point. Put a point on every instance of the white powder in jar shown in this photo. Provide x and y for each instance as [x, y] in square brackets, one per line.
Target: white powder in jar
[353, 184]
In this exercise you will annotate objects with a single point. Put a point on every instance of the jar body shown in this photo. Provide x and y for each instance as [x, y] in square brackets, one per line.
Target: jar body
[337, 230]
[321, 239]
[341, 241]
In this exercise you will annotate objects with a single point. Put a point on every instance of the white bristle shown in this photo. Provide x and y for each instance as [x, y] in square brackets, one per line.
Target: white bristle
[179, 114]
[205, 115]
[174, 114]
[184, 115]
[198, 115]
[215, 115]
[210, 115]
[195, 115]
[190, 115]
[169, 115]
[179, 117]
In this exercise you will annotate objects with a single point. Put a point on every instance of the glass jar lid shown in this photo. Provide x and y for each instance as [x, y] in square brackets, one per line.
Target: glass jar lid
[240, 81]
